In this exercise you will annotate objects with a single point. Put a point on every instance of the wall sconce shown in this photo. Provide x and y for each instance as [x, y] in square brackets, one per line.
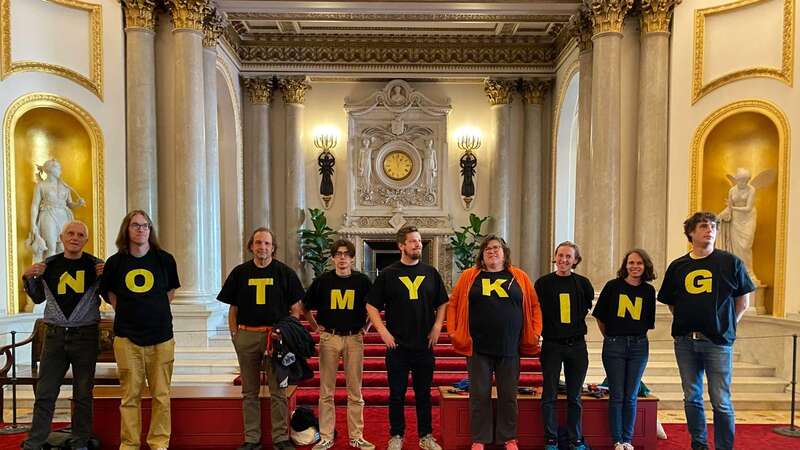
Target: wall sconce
[469, 140]
[326, 138]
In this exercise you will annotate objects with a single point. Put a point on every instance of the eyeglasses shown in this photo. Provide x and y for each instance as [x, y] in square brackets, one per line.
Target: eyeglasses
[140, 226]
[342, 254]
[493, 248]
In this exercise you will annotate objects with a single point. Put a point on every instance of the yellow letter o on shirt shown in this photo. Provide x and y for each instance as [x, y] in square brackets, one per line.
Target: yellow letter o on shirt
[147, 278]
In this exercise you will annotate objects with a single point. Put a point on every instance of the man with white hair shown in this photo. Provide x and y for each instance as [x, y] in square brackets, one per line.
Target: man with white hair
[68, 282]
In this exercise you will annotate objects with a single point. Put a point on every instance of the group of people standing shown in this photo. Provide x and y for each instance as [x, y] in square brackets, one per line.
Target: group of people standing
[495, 314]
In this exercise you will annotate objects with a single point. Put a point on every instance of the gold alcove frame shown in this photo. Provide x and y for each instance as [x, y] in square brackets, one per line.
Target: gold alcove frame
[696, 172]
[94, 212]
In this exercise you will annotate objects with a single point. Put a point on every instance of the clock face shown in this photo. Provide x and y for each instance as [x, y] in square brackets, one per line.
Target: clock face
[397, 165]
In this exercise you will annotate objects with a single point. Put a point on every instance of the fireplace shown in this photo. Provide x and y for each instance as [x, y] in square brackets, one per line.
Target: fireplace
[380, 253]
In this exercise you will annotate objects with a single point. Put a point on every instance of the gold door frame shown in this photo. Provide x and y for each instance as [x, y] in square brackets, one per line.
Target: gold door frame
[778, 118]
[14, 112]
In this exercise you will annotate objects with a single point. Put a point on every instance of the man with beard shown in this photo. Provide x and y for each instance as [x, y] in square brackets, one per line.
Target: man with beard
[415, 300]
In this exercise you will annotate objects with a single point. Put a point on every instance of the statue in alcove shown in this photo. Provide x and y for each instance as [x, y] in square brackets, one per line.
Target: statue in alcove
[431, 169]
[364, 161]
[51, 208]
[738, 220]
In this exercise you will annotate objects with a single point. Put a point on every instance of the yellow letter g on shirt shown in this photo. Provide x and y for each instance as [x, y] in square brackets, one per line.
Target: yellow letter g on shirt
[139, 281]
[698, 281]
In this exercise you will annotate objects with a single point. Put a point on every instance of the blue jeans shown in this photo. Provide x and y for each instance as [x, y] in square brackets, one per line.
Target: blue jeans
[696, 356]
[624, 358]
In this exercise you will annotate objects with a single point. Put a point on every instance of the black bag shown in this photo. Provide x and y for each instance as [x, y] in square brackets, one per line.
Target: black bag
[62, 440]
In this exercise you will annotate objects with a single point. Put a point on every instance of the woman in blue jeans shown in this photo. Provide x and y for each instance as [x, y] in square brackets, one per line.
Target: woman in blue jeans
[625, 311]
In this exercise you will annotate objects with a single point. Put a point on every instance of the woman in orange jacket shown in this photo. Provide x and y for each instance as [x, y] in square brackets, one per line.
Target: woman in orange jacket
[493, 317]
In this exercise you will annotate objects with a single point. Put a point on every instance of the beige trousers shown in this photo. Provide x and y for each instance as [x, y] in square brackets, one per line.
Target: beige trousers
[135, 364]
[351, 349]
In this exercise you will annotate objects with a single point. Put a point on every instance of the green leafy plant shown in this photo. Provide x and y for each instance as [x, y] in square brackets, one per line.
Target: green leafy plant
[466, 242]
[315, 242]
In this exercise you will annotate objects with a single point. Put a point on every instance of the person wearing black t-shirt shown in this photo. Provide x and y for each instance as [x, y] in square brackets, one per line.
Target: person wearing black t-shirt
[415, 299]
[340, 299]
[707, 291]
[565, 298]
[140, 281]
[260, 292]
[493, 317]
[625, 311]
[68, 283]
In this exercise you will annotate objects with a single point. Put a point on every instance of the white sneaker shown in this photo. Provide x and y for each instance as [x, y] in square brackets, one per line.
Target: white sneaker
[627, 446]
[619, 446]
[395, 443]
[429, 443]
[324, 445]
[362, 444]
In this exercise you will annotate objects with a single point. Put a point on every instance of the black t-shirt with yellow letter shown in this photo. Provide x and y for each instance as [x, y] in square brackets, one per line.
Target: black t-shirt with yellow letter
[69, 279]
[340, 302]
[703, 294]
[565, 301]
[625, 309]
[141, 285]
[263, 295]
[495, 314]
[410, 295]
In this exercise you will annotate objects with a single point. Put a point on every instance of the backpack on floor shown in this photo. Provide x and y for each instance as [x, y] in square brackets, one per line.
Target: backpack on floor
[62, 440]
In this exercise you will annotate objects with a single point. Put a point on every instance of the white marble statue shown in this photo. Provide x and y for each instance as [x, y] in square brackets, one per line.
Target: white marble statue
[364, 161]
[738, 219]
[431, 168]
[51, 208]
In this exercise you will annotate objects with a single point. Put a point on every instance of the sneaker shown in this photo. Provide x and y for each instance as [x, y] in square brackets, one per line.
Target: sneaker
[476, 446]
[619, 446]
[512, 445]
[429, 443]
[360, 443]
[395, 443]
[284, 445]
[627, 446]
[550, 447]
[325, 445]
[580, 446]
[249, 446]
[699, 447]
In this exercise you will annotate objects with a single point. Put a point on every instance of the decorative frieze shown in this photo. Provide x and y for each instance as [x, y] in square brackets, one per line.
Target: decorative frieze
[580, 26]
[140, 14]
[213, 25]
[294, 89]
[187, 14]
[656, 15]
[259, 90]
[498, 91]
[533, 91]
[608, 15]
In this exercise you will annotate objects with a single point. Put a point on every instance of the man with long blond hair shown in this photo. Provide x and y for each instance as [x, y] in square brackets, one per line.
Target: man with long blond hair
[140, 281]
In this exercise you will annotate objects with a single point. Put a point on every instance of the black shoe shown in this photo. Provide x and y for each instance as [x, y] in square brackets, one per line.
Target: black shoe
[249, 446]
[284, 445]
[699, 447]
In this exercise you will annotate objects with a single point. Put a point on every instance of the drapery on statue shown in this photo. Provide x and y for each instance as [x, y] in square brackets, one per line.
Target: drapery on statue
[431, 169]
[364, 161]
[51, 208]
[738, 219]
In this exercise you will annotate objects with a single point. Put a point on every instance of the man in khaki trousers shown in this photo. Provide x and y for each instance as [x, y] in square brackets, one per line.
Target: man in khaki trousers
[339, 297]
[260, 292]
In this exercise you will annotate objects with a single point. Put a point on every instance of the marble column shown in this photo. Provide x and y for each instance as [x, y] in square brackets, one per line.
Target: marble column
[294, 95]
[257, 176]
[190, 149]
[607, 19]
[140, 91]
[650, 225]
[581, 28]
[532, 211]
[212, 28]
[499, 93]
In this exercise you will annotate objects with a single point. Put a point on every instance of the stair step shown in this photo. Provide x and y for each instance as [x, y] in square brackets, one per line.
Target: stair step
[663, 384]
[372, 396]
[380, 379]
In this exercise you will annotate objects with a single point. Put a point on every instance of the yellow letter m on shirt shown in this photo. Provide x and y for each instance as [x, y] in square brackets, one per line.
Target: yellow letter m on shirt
[339, 301]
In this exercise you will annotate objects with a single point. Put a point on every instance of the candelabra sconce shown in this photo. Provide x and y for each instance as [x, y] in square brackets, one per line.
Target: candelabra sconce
[469, 140]
[325, 139]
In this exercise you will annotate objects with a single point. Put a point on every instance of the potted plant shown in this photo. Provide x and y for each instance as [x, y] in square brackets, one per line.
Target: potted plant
[316, 241]
[466, 242]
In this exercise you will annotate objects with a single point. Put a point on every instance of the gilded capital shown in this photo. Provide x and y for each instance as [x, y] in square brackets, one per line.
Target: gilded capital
[580, 27]
[187, 14]
[533, 90]
[213, 25]
[259, 90]
[140, 14]
[656, 15]
[498, 91]
[607, 15]
[294, 89]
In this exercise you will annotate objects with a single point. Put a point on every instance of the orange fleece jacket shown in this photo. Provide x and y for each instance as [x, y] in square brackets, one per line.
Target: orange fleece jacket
[458, 313]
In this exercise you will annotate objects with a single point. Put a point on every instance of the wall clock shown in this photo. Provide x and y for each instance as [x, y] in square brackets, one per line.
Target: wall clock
[397, 165]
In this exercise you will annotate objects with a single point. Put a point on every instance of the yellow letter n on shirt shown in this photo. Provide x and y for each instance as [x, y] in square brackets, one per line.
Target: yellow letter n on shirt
[77, 284]
[339, 301]
[261, 288]
[412, 286]
[633, 307]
